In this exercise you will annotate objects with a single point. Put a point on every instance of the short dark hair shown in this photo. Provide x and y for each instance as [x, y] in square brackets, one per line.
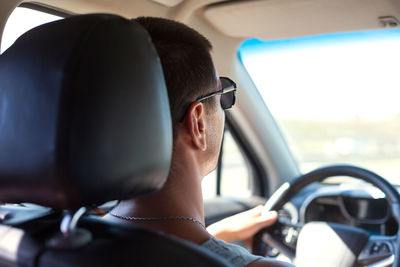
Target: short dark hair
[186, 61]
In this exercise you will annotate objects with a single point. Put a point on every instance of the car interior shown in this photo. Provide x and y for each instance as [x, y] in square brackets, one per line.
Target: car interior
[313, 134]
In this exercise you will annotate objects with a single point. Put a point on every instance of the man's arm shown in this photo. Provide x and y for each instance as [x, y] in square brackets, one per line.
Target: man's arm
[242, 226]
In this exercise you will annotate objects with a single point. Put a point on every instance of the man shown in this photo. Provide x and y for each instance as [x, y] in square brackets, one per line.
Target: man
[198, 118]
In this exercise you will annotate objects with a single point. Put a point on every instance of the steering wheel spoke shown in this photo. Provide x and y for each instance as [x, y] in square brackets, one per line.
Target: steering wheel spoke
[281, 236]
[379, 251]
[274, 242]
[287, 232]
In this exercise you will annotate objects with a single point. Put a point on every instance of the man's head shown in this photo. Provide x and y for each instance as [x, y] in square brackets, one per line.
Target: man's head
[189, 74]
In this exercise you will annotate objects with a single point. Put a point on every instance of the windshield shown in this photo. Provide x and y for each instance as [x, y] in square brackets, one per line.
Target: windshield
[335, 97]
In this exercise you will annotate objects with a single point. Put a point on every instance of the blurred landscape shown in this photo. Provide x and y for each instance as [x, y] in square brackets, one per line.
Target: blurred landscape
[374, 145]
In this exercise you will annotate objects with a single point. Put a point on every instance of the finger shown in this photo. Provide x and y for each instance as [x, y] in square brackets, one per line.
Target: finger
[256, 211]
[270, 215]
[268, 219]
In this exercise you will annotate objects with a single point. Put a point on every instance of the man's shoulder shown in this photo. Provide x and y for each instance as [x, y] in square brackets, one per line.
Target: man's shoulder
[234, 254]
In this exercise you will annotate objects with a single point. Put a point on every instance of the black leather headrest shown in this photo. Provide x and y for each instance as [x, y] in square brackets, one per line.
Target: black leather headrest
[84, 114]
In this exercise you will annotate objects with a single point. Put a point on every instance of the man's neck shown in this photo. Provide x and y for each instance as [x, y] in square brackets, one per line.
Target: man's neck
[180, 196]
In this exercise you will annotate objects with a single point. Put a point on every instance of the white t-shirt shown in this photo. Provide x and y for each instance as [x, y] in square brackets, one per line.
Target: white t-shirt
[234, 254]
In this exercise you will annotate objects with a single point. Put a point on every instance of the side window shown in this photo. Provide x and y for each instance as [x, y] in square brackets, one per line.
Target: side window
[233, 176]
[235, 171]
[209, 185]
[22, 20]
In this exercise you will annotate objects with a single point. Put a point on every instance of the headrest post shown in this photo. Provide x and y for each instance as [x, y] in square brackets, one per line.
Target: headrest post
[70, 236]
[68, 223]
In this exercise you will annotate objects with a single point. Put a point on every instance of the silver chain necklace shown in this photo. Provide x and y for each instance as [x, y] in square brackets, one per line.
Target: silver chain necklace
[167, 218]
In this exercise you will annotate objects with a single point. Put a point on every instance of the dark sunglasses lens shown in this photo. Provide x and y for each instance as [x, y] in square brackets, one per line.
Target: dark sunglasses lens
[226, 82]
[228, 100]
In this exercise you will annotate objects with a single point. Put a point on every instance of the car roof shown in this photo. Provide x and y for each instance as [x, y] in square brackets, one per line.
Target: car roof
[245, 19]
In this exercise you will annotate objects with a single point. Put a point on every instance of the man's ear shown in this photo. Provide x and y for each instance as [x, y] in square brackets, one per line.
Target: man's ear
[196, 126]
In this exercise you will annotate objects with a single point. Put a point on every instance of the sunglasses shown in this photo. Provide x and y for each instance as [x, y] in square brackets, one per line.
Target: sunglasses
[228, 93]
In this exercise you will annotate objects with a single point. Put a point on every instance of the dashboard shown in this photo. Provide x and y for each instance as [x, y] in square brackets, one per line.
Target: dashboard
[355, 204]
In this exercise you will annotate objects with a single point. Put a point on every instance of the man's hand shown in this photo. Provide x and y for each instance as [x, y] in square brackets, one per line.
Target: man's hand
[242, 226]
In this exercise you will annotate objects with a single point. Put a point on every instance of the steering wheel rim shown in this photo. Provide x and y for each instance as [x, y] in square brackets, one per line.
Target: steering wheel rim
[286, 191]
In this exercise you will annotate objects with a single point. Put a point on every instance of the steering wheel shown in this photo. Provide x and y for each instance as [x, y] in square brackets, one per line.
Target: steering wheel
[365, 249]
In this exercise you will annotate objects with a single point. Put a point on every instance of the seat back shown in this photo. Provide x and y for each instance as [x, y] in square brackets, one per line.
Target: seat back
[83, 108]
